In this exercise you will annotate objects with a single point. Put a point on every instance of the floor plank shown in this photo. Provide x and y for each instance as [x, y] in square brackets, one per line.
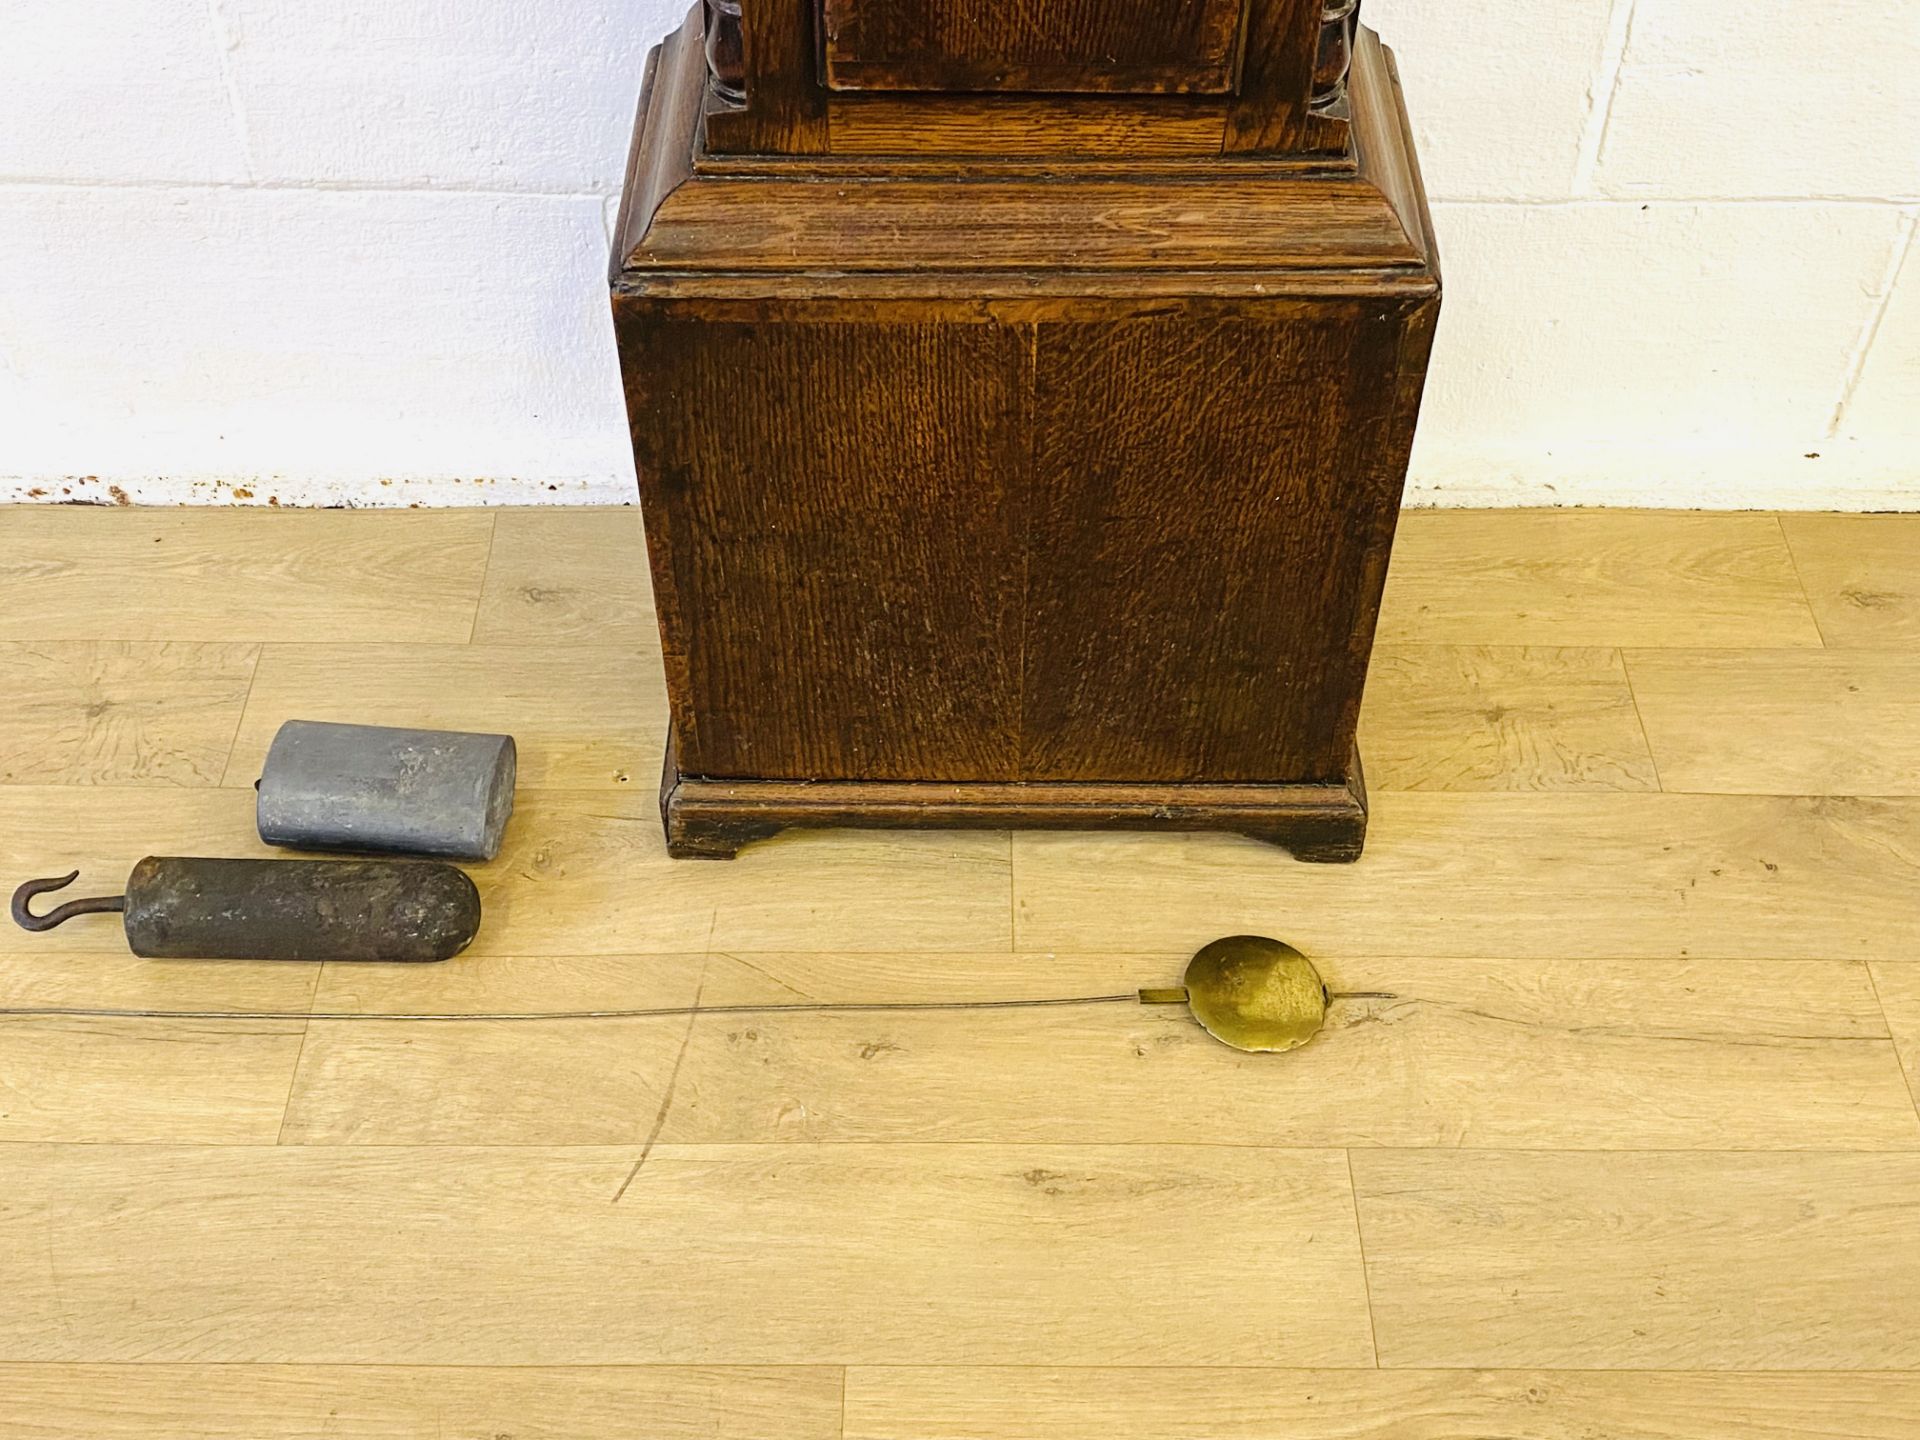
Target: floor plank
[1862, 574]
[898, 1254]
[584, 717]
[579, 1082]
[586, 873]
[581, 872]
[582, 1082]
[569, 1082]
[1754, 877]
[85, 573]
[1593, 577]
[1458, 717]
[1165, 1403]
[102, 1079]
[33, 973]
[1621, 1055]
[1781, 722]
[287, 1402]
[1674, 1261]
[145, 1081]
[510, 984]
[107, 712]
[72, 1078]
[142, 1080]
[568, 575]
[844, 976]
[1618, 1055]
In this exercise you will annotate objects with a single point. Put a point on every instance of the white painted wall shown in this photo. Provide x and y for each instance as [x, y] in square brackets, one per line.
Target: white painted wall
[321, 251]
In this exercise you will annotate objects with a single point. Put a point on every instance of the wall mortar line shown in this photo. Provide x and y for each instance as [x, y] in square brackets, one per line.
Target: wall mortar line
[292, 187]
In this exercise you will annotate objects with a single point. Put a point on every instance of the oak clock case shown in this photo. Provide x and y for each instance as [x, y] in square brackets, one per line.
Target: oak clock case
[1021, 400]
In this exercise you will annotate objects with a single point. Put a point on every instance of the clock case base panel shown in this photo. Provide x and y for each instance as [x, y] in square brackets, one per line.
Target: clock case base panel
[796, 699]
[709, 819]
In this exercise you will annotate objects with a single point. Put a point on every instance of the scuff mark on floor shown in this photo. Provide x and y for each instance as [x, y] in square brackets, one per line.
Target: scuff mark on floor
[666, 1096]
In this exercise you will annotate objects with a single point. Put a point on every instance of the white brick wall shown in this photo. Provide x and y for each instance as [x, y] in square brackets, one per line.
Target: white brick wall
[305, 344]
[321, 251]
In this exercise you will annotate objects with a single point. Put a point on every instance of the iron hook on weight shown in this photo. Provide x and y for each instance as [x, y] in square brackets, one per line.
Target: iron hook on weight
[24, 917]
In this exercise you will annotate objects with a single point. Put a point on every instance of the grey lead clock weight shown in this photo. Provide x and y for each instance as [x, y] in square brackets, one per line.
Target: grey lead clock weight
[374, 788]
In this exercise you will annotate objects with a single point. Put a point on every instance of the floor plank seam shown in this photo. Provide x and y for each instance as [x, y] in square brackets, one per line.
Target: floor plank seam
[293, 1080]
[1366, 1281]
[1013, 899]
[488, 1147]
[1083, 1366]
[1639, 714]
[1906, 1075]
[1786, 538]
[486, 571]
[240, 722]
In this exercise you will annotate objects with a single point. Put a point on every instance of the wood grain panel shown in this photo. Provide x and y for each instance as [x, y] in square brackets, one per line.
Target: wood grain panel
[1528, 1054]
[583, 717]
[1457, 717]
[1593, 577]
[1862, 574]
[382, 1402]
[1779, 722]
[581, 872]
[1651, 1262]
[819, 620]
[1199, 597]
[1753, 877]
[922, 127]
[722, 1255]
[83, 573]
[1142, 46]
[567, 575]
[1269, 113]
[117, 713]
[786, 113]
[1092, 224]
[1165, 1403]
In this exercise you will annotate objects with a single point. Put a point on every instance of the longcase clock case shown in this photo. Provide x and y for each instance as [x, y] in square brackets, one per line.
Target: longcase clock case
[1021, 398]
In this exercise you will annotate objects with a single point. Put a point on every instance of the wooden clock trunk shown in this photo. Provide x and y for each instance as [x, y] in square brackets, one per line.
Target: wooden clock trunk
[1021, 400]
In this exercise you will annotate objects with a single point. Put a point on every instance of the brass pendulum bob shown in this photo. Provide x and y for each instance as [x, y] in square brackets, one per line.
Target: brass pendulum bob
[1252, 993]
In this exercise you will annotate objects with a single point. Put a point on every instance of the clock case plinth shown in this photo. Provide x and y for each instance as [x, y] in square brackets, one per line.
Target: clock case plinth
[1019, 461]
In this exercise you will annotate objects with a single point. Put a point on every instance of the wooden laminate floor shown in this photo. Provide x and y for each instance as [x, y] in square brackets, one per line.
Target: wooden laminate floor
[1625, 1144]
